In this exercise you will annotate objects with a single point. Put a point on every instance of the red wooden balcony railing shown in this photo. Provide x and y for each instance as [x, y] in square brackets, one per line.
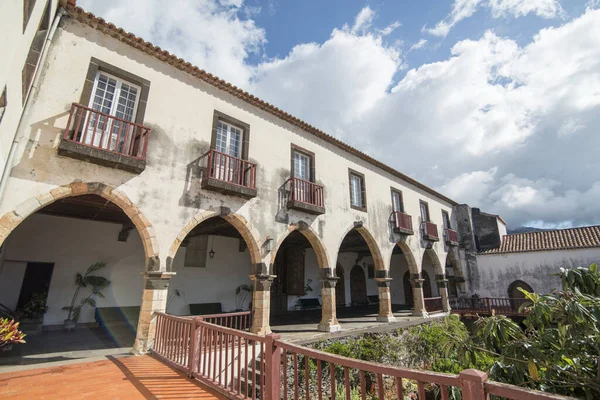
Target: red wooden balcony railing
[402, 222]
[92, 128]
[242, 321]
[242, 365]
[433, 304]
[451, 237]
[229, 169]
[430, 230]
[306, 192]
[487, 305]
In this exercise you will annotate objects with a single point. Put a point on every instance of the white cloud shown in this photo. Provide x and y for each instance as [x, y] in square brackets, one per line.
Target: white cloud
[363, 20]
[520, 8]
[462, 9]
[419, 45]
[214, 34]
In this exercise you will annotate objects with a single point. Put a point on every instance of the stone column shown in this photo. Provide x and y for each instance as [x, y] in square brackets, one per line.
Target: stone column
[154, 299]
[261, 303]
[418, 296]
[385, 300]
[329, 322]
[442, 284]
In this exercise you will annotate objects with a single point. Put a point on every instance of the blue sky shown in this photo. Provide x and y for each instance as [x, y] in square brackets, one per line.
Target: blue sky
[495, 103]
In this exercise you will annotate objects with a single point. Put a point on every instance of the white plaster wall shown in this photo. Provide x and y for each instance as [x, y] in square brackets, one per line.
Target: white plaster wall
[498, 271]
[180, 111]
[11, 278]
[398, 268]
[214, 284]
[73, 245]
[14, 48]
[429, 268]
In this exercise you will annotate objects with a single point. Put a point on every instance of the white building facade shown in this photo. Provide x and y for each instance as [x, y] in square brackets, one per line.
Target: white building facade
[187, 188]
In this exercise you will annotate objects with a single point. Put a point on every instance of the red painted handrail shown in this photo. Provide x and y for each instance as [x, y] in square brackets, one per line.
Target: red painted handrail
[306, 192]
[242, 321]
[402, 221]
[451, 236]
[92, 128]
[430, 229]
[433, 304]
[229, 169]
[487, 305]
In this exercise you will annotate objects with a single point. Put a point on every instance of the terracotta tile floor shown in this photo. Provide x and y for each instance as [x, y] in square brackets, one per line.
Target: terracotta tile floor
[124, 378]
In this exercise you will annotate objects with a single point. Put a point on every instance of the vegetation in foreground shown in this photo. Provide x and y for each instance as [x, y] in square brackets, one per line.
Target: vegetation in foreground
[556, 349]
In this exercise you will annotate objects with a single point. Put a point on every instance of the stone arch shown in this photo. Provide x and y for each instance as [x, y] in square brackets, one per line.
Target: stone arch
[380, 264]
[435, 260]
[12, 219]
[313, 239]
[413, 267]
[249, 234]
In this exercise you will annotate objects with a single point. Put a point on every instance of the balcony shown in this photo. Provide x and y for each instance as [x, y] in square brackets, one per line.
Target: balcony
[104, 139]
[229, 175]
[451, 237]
[402, 223]
[306, 196]
[430, 231]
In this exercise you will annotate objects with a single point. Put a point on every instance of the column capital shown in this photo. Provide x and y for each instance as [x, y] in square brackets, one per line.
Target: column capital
[158, 274]
[418, 283]
[383, 282]
[157, 280]
[262, 282]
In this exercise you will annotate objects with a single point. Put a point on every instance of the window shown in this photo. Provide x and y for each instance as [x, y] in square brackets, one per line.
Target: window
[303, 164]
[424, 211]
[357, 190]
[2, 103]
[230, 136]
[446, 219]
[115, 97]
[397, 203]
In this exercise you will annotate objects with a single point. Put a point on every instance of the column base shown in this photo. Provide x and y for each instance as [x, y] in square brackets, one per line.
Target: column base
[386, 318]
[422, 314]
[262, 331]
[140, 347]
[329, 327]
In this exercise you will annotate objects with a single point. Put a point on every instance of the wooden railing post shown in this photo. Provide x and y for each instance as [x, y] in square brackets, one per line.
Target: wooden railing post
[487, 302]
[471, 383]
[273, 367]
[194, 348]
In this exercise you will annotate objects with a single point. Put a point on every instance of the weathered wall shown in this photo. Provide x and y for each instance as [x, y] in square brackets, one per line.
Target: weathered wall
[498, 271]
[14, 48]
[180, 111]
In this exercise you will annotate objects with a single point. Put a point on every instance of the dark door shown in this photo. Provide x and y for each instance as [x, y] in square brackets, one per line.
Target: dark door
[408, 292]
[35, 281]
[426, 285]
[278, 292]
[358, 286]
[340, 288]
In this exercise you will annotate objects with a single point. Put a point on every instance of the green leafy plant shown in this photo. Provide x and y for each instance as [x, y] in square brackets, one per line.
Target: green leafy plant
[35, 307]
[10, 333]
[96, 283]
[558, 350]
[241, 294]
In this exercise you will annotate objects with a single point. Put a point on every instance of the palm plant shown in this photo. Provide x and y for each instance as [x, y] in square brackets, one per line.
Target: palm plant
[241, 294]
[97, 284]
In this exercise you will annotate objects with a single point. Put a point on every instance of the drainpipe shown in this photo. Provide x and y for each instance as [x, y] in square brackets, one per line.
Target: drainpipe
[30, 95]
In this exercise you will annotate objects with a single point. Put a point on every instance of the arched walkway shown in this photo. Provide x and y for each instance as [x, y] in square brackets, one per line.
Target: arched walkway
[312, 237]
[431, 258]
[358, 286]
[12, 219]
[455, 274]
[366, 235]
[248, 233]
[403, 270]
[88, 194]
[340, 287]
[515, 295]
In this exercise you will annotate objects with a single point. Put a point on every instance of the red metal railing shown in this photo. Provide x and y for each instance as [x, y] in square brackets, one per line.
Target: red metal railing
[241, 321]
[233, 170]
[487, 305]
[306, 192]
[433, 304]
[92, 128]
[402, 221]
[430, 230]
[243, 365]
[451, 236]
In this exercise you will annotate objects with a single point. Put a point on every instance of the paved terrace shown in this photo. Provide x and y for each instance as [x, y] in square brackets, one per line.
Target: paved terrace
[125, 378]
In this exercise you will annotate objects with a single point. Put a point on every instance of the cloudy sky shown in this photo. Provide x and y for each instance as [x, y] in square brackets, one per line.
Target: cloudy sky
[495, 103]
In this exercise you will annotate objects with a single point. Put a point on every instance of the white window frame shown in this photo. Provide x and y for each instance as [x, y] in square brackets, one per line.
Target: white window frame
[228, 129]
[356, 196]
[115, 102]
[397, 194]
[307, 159]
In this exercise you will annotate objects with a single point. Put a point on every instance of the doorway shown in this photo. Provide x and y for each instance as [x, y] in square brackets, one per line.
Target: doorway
[36, 283]
[358, 286]
[340, 287]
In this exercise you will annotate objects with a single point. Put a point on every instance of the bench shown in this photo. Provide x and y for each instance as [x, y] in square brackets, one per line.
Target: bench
[107, 316]
[309, 304]
[206, 308]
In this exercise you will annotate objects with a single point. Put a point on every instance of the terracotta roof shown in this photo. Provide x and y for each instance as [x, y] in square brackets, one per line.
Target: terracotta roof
[101, 25]
[559, 239]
